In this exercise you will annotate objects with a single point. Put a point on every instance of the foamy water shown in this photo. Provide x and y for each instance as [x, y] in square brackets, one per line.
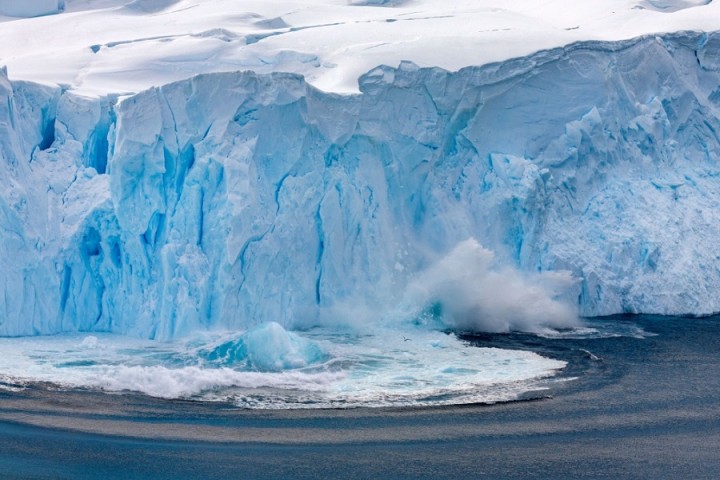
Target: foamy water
[386, 368]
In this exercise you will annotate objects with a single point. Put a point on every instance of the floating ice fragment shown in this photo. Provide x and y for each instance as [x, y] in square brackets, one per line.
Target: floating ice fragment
[89, 342]
[267, 348]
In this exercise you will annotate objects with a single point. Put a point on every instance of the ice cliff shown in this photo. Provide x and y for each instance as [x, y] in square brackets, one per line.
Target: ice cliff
[233, 199]
[30, 8]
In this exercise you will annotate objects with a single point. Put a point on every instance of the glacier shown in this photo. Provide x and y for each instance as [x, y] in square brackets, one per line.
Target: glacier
[230, 200]
[30, 8]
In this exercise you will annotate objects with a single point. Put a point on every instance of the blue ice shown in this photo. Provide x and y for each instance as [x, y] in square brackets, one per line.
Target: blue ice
[233, 200]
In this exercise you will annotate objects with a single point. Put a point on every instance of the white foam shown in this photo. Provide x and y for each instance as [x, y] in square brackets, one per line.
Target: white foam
[476, 294]
[388, 368]
[599, 328]
[90, 341]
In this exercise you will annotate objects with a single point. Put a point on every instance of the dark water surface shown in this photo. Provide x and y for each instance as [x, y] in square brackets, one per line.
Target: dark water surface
[637, 408]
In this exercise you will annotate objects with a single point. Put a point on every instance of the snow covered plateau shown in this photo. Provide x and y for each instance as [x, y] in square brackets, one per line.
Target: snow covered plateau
[504, 165]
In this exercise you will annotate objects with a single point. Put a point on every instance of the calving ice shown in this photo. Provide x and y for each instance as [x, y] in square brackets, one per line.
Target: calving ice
[277, 191]
[234, 199]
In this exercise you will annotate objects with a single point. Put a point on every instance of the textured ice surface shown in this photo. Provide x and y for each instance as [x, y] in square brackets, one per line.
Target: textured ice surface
[231, 200]
[30, 8]
[670, 6]
[98, 47]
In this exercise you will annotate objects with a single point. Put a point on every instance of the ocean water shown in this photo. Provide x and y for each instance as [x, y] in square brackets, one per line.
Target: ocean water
[270, 368]
[637, 398]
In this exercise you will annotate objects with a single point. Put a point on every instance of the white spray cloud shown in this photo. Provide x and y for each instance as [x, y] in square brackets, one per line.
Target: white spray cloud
[474, 293]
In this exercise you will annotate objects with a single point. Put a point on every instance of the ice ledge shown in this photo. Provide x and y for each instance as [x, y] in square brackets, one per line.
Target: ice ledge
[30, 8]
[129, 46]
[235, 199]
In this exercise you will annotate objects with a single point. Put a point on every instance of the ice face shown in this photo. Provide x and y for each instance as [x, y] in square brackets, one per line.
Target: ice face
[232, 200]
[30, 8]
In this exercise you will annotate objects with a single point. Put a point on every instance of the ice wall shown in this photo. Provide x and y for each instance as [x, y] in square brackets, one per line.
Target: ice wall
[235, 199]
[30, 8]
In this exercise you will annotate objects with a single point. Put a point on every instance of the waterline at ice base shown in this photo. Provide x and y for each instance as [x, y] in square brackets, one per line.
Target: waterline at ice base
[249, 231]
[352, 357]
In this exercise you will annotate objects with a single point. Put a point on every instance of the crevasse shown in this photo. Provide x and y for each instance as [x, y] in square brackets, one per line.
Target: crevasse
[233, 199]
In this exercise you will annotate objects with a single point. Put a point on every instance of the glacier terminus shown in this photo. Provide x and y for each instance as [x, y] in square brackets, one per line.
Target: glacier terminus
[247, 184]
[234, 199]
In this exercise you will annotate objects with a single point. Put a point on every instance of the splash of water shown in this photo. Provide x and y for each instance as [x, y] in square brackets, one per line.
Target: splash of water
[400, 356]
[389, 368]
[467, 290]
